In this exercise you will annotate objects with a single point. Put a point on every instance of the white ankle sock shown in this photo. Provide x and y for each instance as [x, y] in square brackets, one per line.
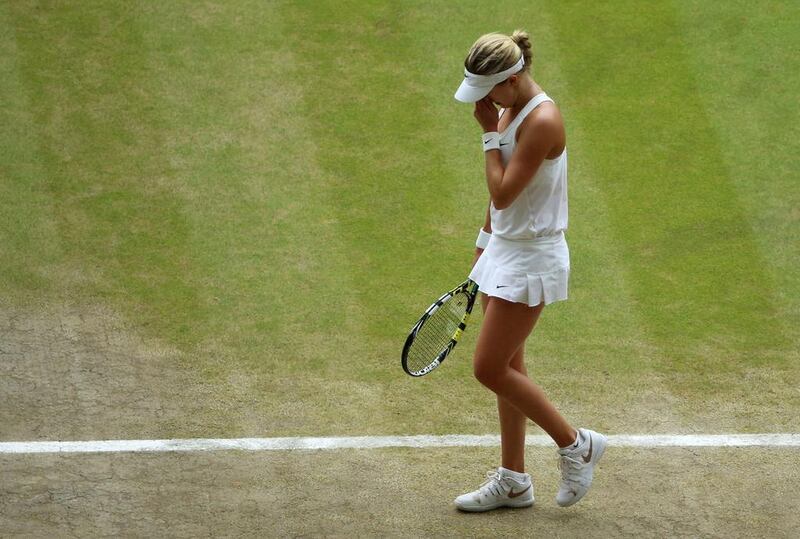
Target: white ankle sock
[574, 445]
[516, 476]
[578, 440]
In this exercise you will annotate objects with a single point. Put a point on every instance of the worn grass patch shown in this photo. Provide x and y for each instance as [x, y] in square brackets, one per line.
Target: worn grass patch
[636, 493]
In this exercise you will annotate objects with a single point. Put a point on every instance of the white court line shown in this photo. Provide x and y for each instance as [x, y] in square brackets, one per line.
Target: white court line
[376, 442]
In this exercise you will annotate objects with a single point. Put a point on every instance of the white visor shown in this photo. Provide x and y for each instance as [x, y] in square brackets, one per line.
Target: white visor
[475, 87]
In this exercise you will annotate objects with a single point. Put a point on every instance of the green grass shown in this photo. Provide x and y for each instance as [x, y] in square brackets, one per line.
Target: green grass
[278, 190]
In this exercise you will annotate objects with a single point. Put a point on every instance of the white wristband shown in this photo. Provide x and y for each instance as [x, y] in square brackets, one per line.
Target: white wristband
[491, 141]
[483, 239]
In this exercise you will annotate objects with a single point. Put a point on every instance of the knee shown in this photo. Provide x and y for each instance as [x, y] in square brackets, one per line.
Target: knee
[487, 374]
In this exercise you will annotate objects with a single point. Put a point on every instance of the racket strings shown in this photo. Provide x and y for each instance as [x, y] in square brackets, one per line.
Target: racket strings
[436, 332]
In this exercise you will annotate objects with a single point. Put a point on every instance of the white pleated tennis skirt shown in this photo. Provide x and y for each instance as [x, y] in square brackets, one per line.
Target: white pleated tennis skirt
[524, 271]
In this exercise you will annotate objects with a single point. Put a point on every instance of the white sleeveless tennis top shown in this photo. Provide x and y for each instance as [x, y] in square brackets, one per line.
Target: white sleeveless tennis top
[541, 208]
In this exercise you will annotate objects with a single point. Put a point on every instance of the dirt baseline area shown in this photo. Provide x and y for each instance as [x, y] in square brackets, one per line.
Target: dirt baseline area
[665, 492]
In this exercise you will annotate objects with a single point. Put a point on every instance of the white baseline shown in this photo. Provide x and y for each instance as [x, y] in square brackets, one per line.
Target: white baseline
[377, 442]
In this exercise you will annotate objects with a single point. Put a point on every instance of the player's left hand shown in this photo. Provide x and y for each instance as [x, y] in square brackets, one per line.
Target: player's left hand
[486, 114]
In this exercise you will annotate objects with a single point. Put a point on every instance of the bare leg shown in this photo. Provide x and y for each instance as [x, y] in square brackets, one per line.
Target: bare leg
[506, 325]
[512, 421]
[512, 424]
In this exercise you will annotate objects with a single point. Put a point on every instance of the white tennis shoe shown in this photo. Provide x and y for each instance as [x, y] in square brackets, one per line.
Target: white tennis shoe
[499, 490]
[577, 466]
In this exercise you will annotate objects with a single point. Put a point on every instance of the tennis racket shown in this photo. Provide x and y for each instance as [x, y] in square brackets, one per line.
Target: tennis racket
[435, 335]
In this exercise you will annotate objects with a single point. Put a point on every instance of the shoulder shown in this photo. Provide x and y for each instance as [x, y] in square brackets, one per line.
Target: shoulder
[545, 117]
[544, 121]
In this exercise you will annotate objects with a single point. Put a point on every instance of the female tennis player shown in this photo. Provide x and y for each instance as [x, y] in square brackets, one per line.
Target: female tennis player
[522, 264]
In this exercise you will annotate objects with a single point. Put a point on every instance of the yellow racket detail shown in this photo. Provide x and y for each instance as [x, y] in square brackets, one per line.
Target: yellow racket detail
[436, 333]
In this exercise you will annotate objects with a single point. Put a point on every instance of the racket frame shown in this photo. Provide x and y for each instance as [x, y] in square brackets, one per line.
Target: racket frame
[471, 288]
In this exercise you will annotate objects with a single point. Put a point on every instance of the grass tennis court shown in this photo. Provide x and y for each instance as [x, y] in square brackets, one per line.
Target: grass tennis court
[220, 219]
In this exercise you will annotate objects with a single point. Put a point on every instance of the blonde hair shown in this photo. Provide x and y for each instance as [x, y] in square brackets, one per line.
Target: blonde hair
[493, 53]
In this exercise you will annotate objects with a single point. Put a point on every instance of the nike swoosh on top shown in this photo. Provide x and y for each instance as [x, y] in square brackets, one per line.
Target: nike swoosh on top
[503, 286]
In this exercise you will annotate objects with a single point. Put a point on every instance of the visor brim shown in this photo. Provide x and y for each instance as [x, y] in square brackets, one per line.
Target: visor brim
[467, 93]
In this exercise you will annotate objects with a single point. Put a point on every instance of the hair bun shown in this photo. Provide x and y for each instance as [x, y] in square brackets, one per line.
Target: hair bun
[523, 41]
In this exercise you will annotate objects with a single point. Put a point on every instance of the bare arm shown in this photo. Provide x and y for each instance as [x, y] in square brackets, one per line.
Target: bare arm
[487, 226]
[537, 136]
